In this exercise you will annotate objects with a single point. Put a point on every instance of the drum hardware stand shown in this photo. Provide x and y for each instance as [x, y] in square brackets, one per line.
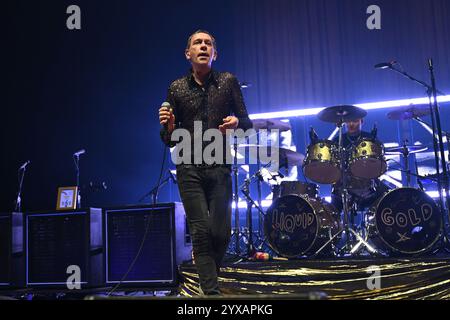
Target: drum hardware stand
[346, 229]
[22, 170]
[405, 153]
[236, 199]
[246, 190]
[250, 204]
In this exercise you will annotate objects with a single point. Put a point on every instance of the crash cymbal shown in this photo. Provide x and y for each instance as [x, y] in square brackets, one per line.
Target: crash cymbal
[408, 113]
[287, 158]
[342, 113]
[270, 124]
[406, 149]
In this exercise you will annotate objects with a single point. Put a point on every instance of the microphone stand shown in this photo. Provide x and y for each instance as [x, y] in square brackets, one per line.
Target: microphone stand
[18, 207]
[437, 142]
[439, 131]
[76, 159]
[155, 191]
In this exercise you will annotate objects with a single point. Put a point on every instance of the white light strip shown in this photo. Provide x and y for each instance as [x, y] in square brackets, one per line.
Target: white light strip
[435, 194]
[243, 204]
[396, 183]
[366, 106]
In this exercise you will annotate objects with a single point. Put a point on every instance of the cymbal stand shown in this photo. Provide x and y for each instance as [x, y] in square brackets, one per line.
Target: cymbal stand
[405, 153]
[347, 229]
[258, 184]
[236, 199]
[250, 204]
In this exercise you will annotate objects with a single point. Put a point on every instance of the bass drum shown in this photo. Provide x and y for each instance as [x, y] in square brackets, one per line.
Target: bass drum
[297, 226]
[405, 221]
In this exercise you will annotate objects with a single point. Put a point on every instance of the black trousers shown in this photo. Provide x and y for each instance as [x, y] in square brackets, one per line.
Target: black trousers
[206, 193]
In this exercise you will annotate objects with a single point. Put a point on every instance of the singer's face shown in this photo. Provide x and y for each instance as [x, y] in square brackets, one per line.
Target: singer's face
[354, 126]
[201, 51]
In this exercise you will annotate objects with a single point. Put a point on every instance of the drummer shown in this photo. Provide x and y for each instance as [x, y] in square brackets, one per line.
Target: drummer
[353, 133]
[362, 192]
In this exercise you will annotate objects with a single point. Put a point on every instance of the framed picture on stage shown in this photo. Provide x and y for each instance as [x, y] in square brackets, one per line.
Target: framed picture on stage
[67, 198]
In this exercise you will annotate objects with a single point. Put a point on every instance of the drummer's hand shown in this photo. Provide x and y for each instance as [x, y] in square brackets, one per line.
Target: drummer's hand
[166, 116]
[229, 122]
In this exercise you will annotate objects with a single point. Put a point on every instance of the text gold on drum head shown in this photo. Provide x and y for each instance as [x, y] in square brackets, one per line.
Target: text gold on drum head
[402, 219]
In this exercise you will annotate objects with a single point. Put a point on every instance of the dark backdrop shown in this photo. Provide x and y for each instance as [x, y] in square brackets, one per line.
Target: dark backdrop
[99, 88]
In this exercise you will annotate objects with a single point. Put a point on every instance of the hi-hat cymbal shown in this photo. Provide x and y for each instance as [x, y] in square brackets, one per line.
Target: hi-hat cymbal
[270, 124]
[342, 113]
[406, 149]
[287, 158]
[408, 113]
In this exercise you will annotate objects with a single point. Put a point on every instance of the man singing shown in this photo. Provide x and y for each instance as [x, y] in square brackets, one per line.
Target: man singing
[215, 100]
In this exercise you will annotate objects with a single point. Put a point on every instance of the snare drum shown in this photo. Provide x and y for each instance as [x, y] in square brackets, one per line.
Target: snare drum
[322, 164]
[298, 188]
[367, 159]
[297, 226]
[405, 221]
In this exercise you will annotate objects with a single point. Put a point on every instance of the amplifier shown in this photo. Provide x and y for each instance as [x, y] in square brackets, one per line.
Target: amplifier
[11, 250]
[5, 248]
[64, 249]
[145, 244]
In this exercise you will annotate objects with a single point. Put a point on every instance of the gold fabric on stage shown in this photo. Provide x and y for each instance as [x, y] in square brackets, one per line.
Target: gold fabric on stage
[412, 278]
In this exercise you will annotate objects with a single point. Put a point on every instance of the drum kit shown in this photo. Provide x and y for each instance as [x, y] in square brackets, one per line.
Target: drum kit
[299, 223]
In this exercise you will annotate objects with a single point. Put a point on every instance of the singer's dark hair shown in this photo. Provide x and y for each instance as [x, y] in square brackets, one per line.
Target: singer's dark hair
[202, 31]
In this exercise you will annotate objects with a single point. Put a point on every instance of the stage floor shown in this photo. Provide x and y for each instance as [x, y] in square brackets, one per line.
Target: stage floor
[417, 278]
[353, 278]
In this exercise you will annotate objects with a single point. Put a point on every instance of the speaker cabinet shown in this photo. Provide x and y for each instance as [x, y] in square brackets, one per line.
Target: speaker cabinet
[12, 263]
[145, 244]
[5, 248]
[64, 247]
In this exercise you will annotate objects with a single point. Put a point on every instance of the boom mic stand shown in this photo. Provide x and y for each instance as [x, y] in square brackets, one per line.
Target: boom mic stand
[438, 145]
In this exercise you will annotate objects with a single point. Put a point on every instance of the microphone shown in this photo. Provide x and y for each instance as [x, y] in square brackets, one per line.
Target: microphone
[385, 65]
[25, 165]
[80, 152]
[374, 131]
[165, 104]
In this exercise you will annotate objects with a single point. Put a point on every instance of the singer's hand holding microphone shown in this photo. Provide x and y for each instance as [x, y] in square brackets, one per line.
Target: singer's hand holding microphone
[166, 117]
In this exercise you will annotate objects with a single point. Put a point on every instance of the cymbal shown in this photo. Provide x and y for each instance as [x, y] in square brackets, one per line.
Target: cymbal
[342, 113]
[409, 149]
[408, 113]
[269, 124]
[287, 158]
